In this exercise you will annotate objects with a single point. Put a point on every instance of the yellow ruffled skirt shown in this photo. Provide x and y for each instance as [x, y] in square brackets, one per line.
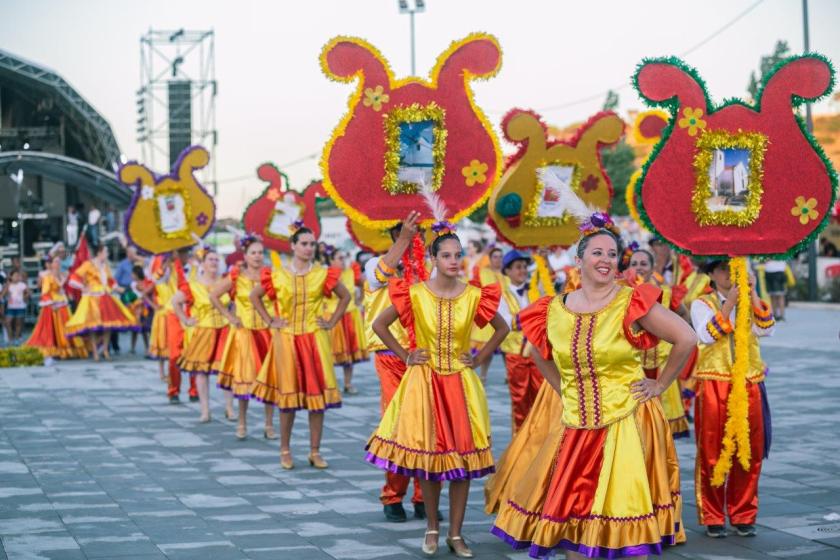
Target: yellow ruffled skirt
[242, 358]
[298, 373]
[99, 313]
[610, 492]
[347, 339]
[436, 427]
[158, 349]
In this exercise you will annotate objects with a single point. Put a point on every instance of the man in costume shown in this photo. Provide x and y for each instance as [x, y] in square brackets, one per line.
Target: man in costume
[174, 330]
[389, 368]
[524, 379]
[713, 318]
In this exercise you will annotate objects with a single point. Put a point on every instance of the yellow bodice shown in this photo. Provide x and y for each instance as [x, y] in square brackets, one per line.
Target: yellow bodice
[52, 292]
[205, 314]
[657, 356]
[96, 280]
[300, 297]
[715, 360]
[375, 302]
[514, 342]
[348, 279]
[442, 326]
[242, 301]
[597, 362]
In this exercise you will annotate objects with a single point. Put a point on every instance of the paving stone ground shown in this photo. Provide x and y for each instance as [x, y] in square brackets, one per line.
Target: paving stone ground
[94, 463]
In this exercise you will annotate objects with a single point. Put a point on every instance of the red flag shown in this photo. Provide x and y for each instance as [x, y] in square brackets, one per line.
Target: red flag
[82, 254]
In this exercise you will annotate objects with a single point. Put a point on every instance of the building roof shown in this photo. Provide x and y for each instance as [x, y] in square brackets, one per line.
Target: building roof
[92, 130]
[87, 177]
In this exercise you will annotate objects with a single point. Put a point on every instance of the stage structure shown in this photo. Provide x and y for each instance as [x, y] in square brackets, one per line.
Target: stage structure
[176, 102]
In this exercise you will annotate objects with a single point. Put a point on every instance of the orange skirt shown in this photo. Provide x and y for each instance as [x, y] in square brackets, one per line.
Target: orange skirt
[298, 373]
[202, 354]
[99, 313]
[541, 429]
[242, 358]
[50, 338]
[348, 339]
[158, 348]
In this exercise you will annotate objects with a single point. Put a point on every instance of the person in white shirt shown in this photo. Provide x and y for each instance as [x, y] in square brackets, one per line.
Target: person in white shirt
[94, 216]
[523, 377]
[713, 318]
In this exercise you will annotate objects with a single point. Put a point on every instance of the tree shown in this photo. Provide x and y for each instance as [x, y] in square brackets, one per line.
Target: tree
[767, 63]
[611, 102]
[619, 164]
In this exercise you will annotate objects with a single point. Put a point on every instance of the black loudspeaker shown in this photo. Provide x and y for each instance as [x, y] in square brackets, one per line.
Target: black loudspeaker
[180, 118]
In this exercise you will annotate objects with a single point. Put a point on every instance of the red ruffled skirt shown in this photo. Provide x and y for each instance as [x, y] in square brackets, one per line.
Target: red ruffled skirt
[204, 351]
[243, 355]
[99, 313]
[50, 337]
[348, 339]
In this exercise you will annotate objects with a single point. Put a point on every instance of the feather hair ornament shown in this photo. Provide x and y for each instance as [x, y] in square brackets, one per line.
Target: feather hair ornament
[589, 219]
[437, 207]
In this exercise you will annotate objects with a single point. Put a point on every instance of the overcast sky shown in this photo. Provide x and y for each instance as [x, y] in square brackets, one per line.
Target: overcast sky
[275, 105]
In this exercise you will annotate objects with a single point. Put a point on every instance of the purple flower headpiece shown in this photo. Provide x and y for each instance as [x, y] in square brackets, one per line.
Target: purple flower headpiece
[246, 240]
[296, 225]
[443, 227]
[597, 222]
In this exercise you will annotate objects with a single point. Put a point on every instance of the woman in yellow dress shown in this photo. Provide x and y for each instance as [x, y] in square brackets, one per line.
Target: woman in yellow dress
[437, 425]
[248, 335]
[348, 336]
[49, 335]
[613, 487]
[486, 275]
[161, 293]
[298, 372]
[206, 328]
[641, 261]
[99, 312]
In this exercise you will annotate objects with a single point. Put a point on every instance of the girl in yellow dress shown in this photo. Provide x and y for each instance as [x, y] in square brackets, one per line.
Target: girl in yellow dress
[437, 425]
[641, 261]
[159, 295]
[99, 312]
[206, 328]
[486, 275]
[248, 335]
[49, 334]
[613, 487]
[298, 372]
[348, 336]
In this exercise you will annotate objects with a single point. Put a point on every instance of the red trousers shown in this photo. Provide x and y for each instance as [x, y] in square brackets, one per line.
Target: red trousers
[390, 370]
[524, 382]
[175, 342]
[738, 496]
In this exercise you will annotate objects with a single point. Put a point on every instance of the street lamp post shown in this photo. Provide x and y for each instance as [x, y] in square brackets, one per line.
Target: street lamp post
[809, 124]
[418, 6]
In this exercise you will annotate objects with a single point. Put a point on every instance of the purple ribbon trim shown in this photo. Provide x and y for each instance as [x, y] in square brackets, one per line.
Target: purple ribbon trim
[293, 409]
[452, 474]
[537, 551]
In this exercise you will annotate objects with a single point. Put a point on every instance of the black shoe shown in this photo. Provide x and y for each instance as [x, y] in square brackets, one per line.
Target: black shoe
[745, 530]
[174, 399]
[193, 398]
[420, 511]
[716, 531]
[395, 513]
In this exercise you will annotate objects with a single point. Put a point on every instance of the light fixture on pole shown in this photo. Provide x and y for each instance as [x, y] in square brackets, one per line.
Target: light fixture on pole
[412, 7]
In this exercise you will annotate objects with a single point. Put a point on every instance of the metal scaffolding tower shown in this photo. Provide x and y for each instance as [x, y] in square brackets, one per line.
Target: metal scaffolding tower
[176, 102]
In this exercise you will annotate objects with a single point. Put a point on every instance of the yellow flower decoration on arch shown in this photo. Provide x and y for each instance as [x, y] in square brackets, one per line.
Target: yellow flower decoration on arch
[475, 172]
[375, 97]
[692, 120]
[805, 210]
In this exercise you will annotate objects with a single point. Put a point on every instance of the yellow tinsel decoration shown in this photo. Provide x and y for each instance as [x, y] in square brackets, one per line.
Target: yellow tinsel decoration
[541, 277]
[737, 429]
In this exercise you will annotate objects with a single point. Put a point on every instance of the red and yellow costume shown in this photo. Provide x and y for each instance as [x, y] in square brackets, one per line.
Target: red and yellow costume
[484, 276]
[98, 309]
[205, 341]
[246, 346]
[738, 496]
[523, 377]
[49, 335]
[298, 372]
[652, 361]
[347, 337]
[389, 367]
[612, 488]
[437, 425]
[158, 347]
[175, 331]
